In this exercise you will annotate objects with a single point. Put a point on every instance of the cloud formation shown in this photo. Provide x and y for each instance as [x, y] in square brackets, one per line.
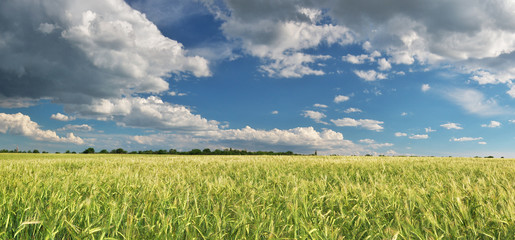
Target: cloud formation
[301, 139]
[474, 102]
[370, 75]
[450, 125]
[466, 139]
[368, 124]
[340, 98]
[419, 136]
[150, 112]
[492, 124]
[78, 51]
[316, 116]
[62, 117]
[20, 124]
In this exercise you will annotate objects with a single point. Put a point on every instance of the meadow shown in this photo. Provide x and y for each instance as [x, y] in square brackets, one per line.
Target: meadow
[121, 196]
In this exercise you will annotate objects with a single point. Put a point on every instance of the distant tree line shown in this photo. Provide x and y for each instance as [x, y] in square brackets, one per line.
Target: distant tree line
[205, 151]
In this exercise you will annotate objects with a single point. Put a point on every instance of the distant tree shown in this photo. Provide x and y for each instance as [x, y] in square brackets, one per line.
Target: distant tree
[44, 152]
[161, 151]
[206, 151]
[89, 150]
[103, 151]
[67, 151]
[119, 151]
[489, 157]
[74, 152]
[35, 151]
[29, 151]
[172, 151]
[195, 152]
[4, 151]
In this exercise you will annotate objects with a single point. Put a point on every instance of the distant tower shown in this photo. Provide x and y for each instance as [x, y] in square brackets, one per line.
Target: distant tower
[17, 149]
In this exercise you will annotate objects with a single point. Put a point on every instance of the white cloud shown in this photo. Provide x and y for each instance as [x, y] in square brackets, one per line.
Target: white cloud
[471, 35]
[492, 124]
[511, 121]
[367, 141]
[149, 112]
[174, 93]
[474, 102]
[76, 52]
[368, 124]
[318, 105]
[316, 116]
[404, 114]
[275, 112]
[20, 124]
[384, 65]
[82, 127]
[301, 138]
[428, 130]
[370, 75]
[465, 139]
[483, 77]
[451, 126]
[341, 98]
[401, 134]
[372, 143]
[352, 110]
[62, 117]
[280, 42]
[360, 59]
[425, 87]
[482, 143]
[355, 59]
[419, 136]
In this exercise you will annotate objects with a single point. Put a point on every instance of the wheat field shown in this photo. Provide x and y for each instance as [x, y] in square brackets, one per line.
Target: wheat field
[115, 196]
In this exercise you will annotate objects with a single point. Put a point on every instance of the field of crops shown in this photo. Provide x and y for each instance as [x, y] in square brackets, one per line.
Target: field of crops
[79, 196]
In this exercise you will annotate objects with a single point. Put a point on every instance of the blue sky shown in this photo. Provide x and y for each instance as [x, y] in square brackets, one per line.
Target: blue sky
[340, 77]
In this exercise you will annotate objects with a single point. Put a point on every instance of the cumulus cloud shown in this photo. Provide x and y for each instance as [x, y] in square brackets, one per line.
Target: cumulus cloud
[384, 65]
[401, 134]
[174, 93]
[492, 124]
[20, 124]
[481, 143]
[425, 87]
[368, 124]
[475, 102]
[451, 126]
[82, 127]
[352, 110]
[465, 139]
[62, 117]
[275, 112]
[360, 59]
[280, 36]
[340, 98]
[150, 112]
[473, 35]
[373, 144]
[301, 139]
[75, 52]
[316, 116]
[370, 75]
[419, 136]
[318, 105]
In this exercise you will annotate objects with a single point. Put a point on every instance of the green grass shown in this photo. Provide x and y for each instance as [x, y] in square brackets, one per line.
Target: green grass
[61, 196]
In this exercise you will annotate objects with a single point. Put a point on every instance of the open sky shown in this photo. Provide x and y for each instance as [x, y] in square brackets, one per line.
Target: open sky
[394, 77]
